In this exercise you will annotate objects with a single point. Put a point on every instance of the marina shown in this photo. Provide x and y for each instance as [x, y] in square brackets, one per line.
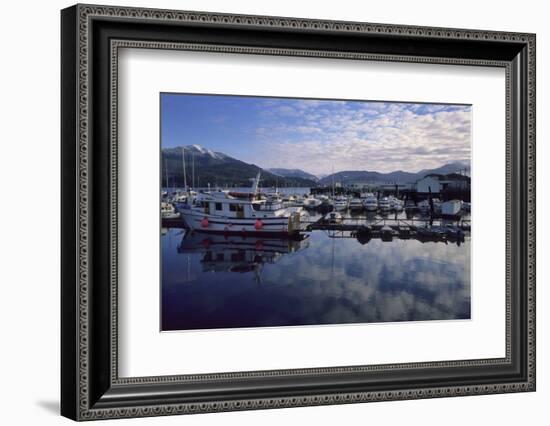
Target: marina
[288, 214]
[404, 261]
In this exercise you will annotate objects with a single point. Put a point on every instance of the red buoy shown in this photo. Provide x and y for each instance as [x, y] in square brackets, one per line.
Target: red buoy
[204, 223]
[258, 225]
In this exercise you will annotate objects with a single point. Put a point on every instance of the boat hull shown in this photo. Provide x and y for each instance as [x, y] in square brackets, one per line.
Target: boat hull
[284, 225]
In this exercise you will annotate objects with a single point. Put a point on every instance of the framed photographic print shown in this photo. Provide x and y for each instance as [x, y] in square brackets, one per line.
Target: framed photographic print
[263, 212]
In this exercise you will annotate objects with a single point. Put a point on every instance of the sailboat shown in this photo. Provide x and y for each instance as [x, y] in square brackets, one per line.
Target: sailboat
[340, 202]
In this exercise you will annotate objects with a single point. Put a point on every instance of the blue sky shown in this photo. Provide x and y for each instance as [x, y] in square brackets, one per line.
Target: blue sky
[319, 135]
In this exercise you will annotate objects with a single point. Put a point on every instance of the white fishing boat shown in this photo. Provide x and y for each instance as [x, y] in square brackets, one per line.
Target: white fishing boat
[341, 203]
[397, 204]
[385, 204]
[247, 213]
[311, 203]
[333, 217]
[356, 204]
[325, 200]
[451, 207]
[168, 211]
[371, 203]
[273, 196]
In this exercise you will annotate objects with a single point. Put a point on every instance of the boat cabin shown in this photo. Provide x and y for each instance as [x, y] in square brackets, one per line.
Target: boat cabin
[223, 204]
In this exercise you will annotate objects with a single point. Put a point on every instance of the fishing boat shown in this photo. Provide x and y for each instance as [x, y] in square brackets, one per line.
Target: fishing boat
[273, 196]
[371, 203]
[168, 211]
[221, 212]
[341, 203]
[325, 200]
[396, 203]
[311, 203]
[385, 204]
[356, 204]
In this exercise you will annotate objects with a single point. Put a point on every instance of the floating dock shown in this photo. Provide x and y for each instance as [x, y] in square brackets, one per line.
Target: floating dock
[388, 229]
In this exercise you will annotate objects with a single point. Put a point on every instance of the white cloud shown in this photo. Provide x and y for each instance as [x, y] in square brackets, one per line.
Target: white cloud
[370, 136]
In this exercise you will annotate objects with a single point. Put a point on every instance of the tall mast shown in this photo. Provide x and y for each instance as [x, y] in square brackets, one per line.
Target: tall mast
[193, 169]
[333, 181]
[183, 162]
[166, 173]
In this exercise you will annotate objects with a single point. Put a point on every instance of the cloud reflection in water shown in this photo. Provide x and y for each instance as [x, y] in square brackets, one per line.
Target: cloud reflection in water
[212, 282]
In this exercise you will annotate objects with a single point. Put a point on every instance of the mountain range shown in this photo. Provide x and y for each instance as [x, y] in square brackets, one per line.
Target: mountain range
[219, 169]
[399, 176]
[294, 173]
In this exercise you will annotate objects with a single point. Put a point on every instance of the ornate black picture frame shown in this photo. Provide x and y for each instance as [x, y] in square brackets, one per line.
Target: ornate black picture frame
[91, 386]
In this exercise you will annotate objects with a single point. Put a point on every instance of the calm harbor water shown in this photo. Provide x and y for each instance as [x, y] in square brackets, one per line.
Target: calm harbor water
[211, 281]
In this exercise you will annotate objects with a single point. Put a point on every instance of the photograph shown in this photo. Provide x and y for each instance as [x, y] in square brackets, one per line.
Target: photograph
[283, 212]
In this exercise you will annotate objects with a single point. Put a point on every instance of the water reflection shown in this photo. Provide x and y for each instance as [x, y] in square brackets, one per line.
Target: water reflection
[225, 282]
[221, 253]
